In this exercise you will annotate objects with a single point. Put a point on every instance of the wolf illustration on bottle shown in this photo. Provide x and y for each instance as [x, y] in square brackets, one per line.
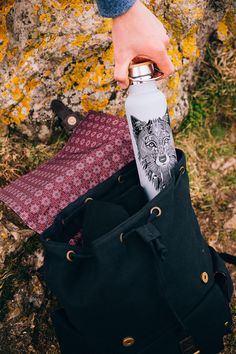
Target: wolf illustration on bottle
[156, 152]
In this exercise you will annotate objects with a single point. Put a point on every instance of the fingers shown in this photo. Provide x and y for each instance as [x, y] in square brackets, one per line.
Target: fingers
[158, 55]
[121, 72]
[163, 61]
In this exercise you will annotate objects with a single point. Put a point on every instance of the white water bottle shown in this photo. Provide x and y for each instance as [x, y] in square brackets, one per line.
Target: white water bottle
[149, 125]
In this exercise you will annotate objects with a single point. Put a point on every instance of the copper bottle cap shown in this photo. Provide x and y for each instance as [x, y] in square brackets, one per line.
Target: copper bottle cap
[146, 71]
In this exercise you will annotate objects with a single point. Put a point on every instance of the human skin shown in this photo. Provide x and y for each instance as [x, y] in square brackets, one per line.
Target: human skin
[137, 35]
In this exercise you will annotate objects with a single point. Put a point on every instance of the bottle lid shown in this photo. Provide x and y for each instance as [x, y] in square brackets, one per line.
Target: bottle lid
[146, 71]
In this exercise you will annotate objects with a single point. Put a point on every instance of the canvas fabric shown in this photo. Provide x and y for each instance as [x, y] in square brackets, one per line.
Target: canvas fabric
[149, 280]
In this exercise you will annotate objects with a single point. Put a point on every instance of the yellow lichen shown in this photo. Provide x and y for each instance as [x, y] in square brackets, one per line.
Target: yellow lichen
[108, 54]
[20, 91]
[80, 40]
[173, 85]
[189, 45]
[95, 105]
[36, 8]
[4, 235]
[175, 54]
[173, 122]
[171, 100]
[4, 40]
[105, 27]
[173, 82]
[120, 113]
[16, 94]
[63, 4]
[45, 17]
[198, 13]
[222, 31]
[11, 53]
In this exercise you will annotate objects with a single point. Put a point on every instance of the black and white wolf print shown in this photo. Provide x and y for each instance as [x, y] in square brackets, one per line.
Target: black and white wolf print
[156, 151]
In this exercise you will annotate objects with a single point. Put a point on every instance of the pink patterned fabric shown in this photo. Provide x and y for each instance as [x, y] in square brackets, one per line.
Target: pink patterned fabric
[98, 147]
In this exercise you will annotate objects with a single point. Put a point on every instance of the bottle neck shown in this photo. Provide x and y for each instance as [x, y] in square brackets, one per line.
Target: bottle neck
[143, 87]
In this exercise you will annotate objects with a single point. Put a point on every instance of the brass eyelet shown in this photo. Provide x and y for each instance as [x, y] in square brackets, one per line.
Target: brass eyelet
[156, 210]
[71, 120]
[182, 170]
[121, 237]
[120, 179]
[63, 222]
[128, 341]
[88, 200]
[204, 277]
[69, 255]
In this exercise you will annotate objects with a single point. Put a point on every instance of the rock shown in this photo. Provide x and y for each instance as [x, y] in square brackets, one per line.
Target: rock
[229, 165]
[231, 223]
[3, 130]
[44, 133]
[224, 166]
[216, 165]
[60, 49]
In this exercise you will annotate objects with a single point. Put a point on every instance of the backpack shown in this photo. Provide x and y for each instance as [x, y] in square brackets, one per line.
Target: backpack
[142, 280]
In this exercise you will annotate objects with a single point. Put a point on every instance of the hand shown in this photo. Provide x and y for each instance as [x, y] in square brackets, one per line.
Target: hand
[139, 34]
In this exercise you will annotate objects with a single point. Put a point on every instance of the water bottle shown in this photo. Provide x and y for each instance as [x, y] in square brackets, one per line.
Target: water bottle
[149, 125]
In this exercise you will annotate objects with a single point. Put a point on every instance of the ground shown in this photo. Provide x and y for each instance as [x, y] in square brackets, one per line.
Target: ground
[208, 140]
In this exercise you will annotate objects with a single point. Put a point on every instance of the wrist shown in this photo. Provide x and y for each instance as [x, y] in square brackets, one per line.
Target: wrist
[129, 13]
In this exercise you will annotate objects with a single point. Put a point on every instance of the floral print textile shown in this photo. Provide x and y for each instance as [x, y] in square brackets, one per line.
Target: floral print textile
[98, 148]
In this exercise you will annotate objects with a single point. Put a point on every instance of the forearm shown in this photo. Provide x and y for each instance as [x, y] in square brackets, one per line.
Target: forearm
[114, 8]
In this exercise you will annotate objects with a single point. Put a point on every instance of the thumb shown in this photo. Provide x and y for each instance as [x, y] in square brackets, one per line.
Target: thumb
[121, 72]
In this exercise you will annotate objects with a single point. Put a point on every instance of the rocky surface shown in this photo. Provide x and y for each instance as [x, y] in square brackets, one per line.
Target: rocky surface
[26, 303]
[62, 49]
[51, 49]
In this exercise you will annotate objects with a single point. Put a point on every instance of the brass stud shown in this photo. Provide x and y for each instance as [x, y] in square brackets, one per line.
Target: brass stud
[182, 170]
[156, 210]
[204, 277]
[197, 352]
[71, 120]
[226, 324]
[69, 255]
[120, 179]
[63, 222]
[47, 239]
[121, 237]
[88, 200]
[128, 341]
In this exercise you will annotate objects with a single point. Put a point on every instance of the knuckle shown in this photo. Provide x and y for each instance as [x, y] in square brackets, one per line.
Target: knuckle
[169, 71]
[166, 40]
[118, 77]
[161, 48]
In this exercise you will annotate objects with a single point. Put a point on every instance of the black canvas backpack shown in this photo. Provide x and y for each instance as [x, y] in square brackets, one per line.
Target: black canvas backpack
[144, 281]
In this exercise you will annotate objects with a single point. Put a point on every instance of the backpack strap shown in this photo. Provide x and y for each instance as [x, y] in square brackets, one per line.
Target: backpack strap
[229, 258]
